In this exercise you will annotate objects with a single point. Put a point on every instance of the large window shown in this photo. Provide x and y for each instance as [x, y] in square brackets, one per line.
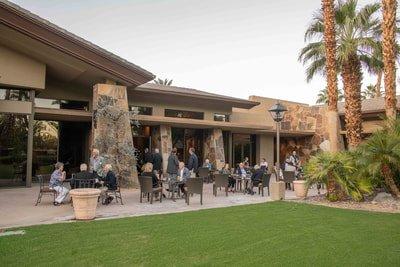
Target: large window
[14, 94]
[184, 114]
[221, 117]
[61, 104]
[45, 146]
[142, 110]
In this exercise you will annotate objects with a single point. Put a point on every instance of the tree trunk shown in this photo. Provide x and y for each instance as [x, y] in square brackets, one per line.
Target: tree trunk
[378, 85]
[389, 181]
[334, 190]
[389, 55]
[331, 74]
[351, 74]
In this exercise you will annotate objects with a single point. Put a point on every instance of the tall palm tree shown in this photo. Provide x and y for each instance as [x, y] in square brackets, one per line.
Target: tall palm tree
[389, 50]
[163, 82]
[354, 35]
[331, 73]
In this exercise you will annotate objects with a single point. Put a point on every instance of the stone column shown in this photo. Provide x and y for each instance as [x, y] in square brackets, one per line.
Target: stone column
[214, 148]
[112, 133]
[166, 144]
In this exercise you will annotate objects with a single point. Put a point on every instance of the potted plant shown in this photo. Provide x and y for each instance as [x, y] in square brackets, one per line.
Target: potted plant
[85, 202]
[300, 187]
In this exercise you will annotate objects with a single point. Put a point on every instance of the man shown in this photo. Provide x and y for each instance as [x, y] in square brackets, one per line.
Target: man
[241, 170]
[110, 181]
[292, 162]
[56, 181]
[83, 174]
[157, 161]
[173, 164]
[148, 158]
[193, 162]
[256, 178]
[183, 176]
[96, 163]
[207, 164]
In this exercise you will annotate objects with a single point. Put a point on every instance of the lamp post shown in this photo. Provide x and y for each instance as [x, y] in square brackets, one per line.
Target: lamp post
[277, 111]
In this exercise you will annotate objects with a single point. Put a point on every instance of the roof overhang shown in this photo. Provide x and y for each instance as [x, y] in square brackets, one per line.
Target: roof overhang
[43, 31]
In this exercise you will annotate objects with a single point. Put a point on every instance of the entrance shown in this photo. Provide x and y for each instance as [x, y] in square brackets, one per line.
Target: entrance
[244, 146]
[141, 141]
[183, 139]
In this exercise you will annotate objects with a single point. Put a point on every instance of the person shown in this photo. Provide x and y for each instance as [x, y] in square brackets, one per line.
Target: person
[56, 181]
[207, 164]
[193, 162]
[246, 161]
[264, 165]
[148, 157]
[96, 164]
[256, 178]
[292, 162]
[231, 180]
[110, 181]
[83, 174]
[241, 170]
[173, 164]
[157, 162]
[148, 171]
[183, 176]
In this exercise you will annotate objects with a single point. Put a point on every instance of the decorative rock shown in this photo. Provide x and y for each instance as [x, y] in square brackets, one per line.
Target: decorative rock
[383, 197]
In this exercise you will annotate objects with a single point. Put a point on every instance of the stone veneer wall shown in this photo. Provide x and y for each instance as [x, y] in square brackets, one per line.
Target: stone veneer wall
[165, 144]
[214, 148]
[111, 131]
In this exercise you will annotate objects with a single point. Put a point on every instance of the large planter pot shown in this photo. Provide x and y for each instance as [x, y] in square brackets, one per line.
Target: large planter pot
[85, 202]
[300, 188]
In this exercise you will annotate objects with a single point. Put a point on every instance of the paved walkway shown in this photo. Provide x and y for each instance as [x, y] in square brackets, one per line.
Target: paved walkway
[17, 205]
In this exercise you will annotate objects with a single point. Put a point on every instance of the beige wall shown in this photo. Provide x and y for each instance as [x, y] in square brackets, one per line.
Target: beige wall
[265, 148]
[18, 107]
[19, 70]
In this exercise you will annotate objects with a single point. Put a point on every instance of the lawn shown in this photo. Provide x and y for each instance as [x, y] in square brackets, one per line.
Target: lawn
[278, 233]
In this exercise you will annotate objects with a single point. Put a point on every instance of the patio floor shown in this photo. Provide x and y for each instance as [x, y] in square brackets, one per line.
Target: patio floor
[17, 205]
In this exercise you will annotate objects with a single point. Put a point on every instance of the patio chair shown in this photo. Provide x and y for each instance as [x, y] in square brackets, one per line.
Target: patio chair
[116, 192]
[264, 183]
[221, 180]
[146, 187]
[84, 183]
[44, 188]
[194, 186]
[288, 178]
[204, 173]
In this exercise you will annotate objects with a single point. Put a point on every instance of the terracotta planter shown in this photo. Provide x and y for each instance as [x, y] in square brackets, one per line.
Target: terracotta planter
[300, 188]
[85, 202]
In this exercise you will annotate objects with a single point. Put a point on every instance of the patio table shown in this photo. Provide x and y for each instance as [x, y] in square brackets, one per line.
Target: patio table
[241, 182]
[173, 186]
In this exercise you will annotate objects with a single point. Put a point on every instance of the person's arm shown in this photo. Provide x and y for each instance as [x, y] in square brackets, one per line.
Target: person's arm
[190, 163]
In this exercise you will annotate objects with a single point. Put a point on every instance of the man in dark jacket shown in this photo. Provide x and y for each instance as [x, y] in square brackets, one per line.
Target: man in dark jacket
[82, 175]
[157, 161]
[173, 164]
[193, 163]
[148, 157]
[256, 178]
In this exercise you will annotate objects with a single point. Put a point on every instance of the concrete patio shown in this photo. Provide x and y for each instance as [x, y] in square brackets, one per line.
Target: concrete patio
[17, 205]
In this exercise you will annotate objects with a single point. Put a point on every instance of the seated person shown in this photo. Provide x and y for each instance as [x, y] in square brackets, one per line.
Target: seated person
[183, 176]
[148, 171]
[231, 181]
[83, 174]
[256, 178]
[56, 183]
[241, 170]
[207, 164]
[264, 165]
[110, 181]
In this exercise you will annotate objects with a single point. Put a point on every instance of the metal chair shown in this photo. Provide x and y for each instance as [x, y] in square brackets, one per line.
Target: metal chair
[116, 192]
[204, 173]
[44, 188]
[194, 186]
[146, 187]
[221, 180]
[288, 178]
[264, 183]
[84, 183]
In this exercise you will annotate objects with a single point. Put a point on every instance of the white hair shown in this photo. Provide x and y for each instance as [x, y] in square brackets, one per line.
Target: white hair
[83, 167]
[108, 167]
[156, 150]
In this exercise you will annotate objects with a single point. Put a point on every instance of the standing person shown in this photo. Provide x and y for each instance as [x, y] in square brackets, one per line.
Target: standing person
[183, 176]
[292, 162]
[173, 163]
[56, 181]
[193, 163]
[157, 161]
[96, 163]
[148, 157]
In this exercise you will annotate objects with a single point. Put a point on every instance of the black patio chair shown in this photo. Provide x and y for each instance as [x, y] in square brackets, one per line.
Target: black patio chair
[221, 180]
[44, 188]
[288, 179]
[146, 187]
[84, 183]
[194, 186]
[116, 192]
[204, 173]
[264, 183]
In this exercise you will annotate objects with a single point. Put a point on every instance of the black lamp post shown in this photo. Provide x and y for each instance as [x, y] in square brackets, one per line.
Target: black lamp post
[277, 111]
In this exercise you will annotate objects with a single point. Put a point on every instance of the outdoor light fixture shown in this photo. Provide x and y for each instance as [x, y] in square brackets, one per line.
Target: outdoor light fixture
[277, 111]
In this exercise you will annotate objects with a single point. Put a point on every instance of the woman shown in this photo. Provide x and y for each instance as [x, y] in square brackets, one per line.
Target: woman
[148, 171]
[264, 165]
[56, 183]
[231, 181]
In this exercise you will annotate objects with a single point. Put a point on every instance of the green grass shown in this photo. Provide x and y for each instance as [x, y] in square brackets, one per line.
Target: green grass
[278, 233]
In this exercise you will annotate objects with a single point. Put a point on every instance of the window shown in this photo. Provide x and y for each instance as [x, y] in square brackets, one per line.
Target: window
[184, 114]
[14, 94]
[221, 117]
[61, 104]
[142, 110]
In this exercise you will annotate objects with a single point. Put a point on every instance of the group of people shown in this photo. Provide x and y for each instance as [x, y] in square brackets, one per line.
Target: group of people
[99, 172]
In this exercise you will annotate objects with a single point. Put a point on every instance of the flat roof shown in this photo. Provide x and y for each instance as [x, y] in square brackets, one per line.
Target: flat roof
[372, 105]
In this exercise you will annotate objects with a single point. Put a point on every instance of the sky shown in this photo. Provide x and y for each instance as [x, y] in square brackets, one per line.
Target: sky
[231, 47]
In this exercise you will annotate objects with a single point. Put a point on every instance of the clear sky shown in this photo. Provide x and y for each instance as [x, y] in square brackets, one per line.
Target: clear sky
[232, 47]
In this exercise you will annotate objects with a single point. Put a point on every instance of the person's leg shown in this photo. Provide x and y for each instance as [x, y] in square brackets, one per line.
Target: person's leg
[61, 193]
[64, 193]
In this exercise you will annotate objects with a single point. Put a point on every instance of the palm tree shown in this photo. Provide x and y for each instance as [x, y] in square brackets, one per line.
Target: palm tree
[163, 82]
[370, 92]
[389, 50]
[354, 35]
[322, 97]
